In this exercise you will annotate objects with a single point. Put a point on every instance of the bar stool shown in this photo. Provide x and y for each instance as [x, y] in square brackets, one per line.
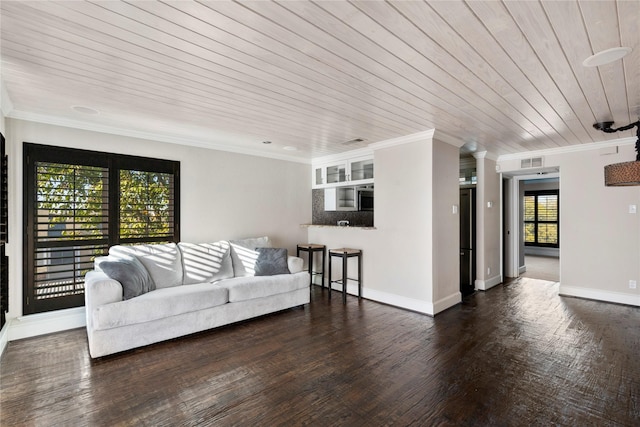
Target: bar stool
[311, 248]
[345, 254]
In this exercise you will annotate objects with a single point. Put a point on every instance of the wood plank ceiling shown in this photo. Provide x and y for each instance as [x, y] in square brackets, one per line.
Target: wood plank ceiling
[506, 77]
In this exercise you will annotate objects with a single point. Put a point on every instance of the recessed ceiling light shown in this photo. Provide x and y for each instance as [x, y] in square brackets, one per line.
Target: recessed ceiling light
[84, 110]
[290, 148]
[606, 56]
[266, 142]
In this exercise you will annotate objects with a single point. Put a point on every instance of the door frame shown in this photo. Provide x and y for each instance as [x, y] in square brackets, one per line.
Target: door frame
[512, 223]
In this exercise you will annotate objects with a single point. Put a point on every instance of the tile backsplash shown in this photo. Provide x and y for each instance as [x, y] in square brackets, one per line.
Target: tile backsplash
[322, 217]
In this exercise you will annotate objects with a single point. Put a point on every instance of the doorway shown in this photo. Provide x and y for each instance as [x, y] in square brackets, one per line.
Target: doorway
[531, 225]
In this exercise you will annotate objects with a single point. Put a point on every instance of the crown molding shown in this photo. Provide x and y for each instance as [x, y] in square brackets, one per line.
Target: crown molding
[387, 143]
[394, 142]
[479, 154]
[445, 137]
[568, 149]
[485, 155]
[430, 134]
[358, 152]
[192, 142]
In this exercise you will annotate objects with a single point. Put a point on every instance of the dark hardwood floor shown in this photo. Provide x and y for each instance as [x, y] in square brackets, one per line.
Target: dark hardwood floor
[517, 354]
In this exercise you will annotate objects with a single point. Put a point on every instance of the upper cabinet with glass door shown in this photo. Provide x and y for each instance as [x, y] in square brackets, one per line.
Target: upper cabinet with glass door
[361, 170]
[358, 170]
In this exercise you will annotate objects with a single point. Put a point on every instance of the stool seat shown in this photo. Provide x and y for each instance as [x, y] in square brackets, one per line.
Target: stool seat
[311, 248]
[304, 246]
[346, 251]
[345, 254]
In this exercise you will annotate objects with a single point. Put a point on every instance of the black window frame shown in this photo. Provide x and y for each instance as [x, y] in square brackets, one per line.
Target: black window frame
[537, 193]
[4, 231]
[35, 153]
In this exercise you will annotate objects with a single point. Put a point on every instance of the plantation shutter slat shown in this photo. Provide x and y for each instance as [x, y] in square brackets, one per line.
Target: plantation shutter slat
[71, 226]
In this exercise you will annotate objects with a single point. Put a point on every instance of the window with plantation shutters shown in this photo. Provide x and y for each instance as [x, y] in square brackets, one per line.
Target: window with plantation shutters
[146, 205]
[541, 218]
[79, 203]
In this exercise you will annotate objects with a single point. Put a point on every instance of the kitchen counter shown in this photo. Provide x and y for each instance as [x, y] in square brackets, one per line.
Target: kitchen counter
[337, 226]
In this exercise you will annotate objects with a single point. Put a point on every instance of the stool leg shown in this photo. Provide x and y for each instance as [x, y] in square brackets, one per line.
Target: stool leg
[310, 268]
[329, 276]
[344, 278]
[324, 255]
[360, 276]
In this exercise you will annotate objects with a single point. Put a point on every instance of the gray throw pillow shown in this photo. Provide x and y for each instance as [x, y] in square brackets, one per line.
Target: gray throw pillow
[243, 256]
[271, 261]
[131, 274]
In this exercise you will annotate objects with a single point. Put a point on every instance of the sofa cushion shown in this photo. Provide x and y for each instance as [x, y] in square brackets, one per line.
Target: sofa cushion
[206, 262]
[162, 261]
[244, 255]
[295, 264]
[271, 261]
[247, 288]
[159, 304]
[99, 259]
[131, 274]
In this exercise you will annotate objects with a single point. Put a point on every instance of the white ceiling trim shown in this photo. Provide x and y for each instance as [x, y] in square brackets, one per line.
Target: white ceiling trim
[88, 126]
[359, 152]
[451, 140]
[394, 142]
[568, 149]
[430, 135]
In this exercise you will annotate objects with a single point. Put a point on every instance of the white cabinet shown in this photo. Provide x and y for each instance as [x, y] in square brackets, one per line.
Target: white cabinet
[358, 171]
[330, 174]
[361, 170]
[340, 199]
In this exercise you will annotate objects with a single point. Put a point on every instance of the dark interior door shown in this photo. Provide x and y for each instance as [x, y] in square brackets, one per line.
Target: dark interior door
[467, 241]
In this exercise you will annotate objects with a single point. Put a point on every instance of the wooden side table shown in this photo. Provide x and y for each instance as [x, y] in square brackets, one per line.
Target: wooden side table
[345, 254]
[311, 248]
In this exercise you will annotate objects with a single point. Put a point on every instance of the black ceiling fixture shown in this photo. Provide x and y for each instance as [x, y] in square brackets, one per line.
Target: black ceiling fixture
[626, 173]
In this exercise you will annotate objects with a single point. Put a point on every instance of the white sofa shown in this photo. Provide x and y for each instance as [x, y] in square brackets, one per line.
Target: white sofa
[194, 287]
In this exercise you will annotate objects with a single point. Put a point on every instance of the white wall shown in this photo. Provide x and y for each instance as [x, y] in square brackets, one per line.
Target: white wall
[599, 238]
[542, 184]
[411, 259]
[489, 255]
[5, 105]
[223, 195]
[445, 225]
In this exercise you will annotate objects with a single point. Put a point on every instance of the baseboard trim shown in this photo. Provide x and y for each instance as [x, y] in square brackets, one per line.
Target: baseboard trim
[412, 304]
[46, 323]
[4, 338]
[599, 295]
[522, 269]
[447, 302]
[484, 285]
